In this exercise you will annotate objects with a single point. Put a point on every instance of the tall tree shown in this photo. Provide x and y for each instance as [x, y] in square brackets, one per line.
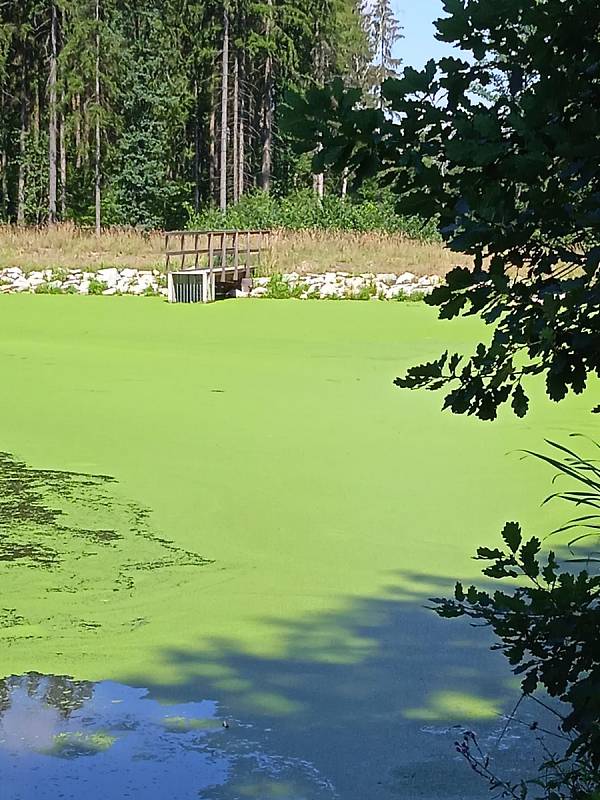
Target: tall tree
[224, 112]
[53, 116]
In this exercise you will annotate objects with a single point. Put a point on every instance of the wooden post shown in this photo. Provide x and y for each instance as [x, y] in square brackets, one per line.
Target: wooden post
[247, 254]
[223, 254]
[211, 256]
[196, 249]
[182, 248]
[167, 252]
[236, 253]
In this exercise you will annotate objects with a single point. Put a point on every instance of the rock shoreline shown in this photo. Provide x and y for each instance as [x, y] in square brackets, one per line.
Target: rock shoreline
[326, 285]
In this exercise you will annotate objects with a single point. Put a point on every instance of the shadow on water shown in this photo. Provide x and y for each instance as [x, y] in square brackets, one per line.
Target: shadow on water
[73, 739]
[51, 518]
[374, 696]
[363, 703]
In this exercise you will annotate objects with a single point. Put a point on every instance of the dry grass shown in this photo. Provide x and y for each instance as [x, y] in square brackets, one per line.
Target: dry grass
[321, 251]
[69, 247]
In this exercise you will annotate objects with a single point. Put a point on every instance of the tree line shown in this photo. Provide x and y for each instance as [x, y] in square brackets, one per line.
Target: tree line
[113, 112]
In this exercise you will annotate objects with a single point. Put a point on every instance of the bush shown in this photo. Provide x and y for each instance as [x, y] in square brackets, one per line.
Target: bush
[303, 210]
[549, 630]
[96, 286]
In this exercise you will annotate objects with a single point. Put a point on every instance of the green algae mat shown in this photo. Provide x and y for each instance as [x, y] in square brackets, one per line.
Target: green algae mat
[232, 502]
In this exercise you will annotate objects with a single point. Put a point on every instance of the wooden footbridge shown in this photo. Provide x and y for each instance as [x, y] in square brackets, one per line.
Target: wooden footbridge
[204, 265]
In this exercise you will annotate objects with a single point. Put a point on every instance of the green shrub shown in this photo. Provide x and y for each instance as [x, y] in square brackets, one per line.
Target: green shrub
[96, 286]
[365, 292]
[303, 210]
[278, 289]
[48, 288]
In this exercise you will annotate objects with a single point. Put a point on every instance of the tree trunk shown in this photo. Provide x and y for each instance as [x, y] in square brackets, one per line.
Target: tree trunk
[22, 147]
[52, 121]
[319, 185]
[224, 108]
[241, 134]
[76, 111]
[235, 127]
[212, 155]
[344, 190]
[267, 112]
[196, 147]
[98, 197]
[63, 167]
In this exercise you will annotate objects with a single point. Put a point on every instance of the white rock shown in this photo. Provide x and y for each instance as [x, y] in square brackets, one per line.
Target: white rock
[389, 278]
[331, 290]
[260, 282]
[406, 277]
[129, 273]
[108, 276]
[110, 290]
[395, 291]
[259, 291]
[84, 287]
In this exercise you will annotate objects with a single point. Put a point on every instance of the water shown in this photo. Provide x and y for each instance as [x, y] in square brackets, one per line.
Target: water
[67, 739]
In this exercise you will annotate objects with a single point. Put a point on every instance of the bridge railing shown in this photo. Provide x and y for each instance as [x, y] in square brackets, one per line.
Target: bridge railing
[233, 254]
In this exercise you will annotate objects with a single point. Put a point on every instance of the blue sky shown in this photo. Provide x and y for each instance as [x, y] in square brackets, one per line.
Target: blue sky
[419, 44]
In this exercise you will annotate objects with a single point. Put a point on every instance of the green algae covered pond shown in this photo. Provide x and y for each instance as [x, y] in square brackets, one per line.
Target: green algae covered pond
[229, 513]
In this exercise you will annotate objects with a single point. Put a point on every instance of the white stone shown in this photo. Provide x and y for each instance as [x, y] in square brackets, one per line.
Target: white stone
[389, 278]
[259, 291]
[331, 290]
[129, 273]
[406, 277]
[84, 287]
[108, 276]
[395, 291]
[110, 290]
[261, 282]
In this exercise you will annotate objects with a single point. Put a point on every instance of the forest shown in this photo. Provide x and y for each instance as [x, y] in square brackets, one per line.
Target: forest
[141, 113]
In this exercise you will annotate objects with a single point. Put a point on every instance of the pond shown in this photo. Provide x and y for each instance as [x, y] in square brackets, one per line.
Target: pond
[228, 513]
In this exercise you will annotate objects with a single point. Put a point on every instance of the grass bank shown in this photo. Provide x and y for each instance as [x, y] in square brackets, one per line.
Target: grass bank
[68, 247]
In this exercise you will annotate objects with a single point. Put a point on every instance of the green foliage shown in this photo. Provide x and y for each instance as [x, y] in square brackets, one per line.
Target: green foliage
[302, 210]
[51, 287]
[512, 177]
[365, 292]
[549, 626]
[96, 286]
[280, 289]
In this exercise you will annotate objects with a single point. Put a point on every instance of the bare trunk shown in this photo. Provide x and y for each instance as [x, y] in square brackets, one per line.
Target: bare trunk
[235, 126]
[76, 112]
[319, 185]
[267, 112]
[241, 141]
[63, 168]
[344, 191]
[267, 130]
[22, 146]
[196, 148]
[224, 107]
[52, 120]
[212, 156]
[98, 197]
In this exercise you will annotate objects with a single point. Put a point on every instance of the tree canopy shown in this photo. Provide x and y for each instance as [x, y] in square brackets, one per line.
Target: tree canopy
[503, 148]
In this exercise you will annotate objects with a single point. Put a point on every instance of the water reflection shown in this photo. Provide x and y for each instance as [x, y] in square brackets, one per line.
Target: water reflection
[73, 739]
